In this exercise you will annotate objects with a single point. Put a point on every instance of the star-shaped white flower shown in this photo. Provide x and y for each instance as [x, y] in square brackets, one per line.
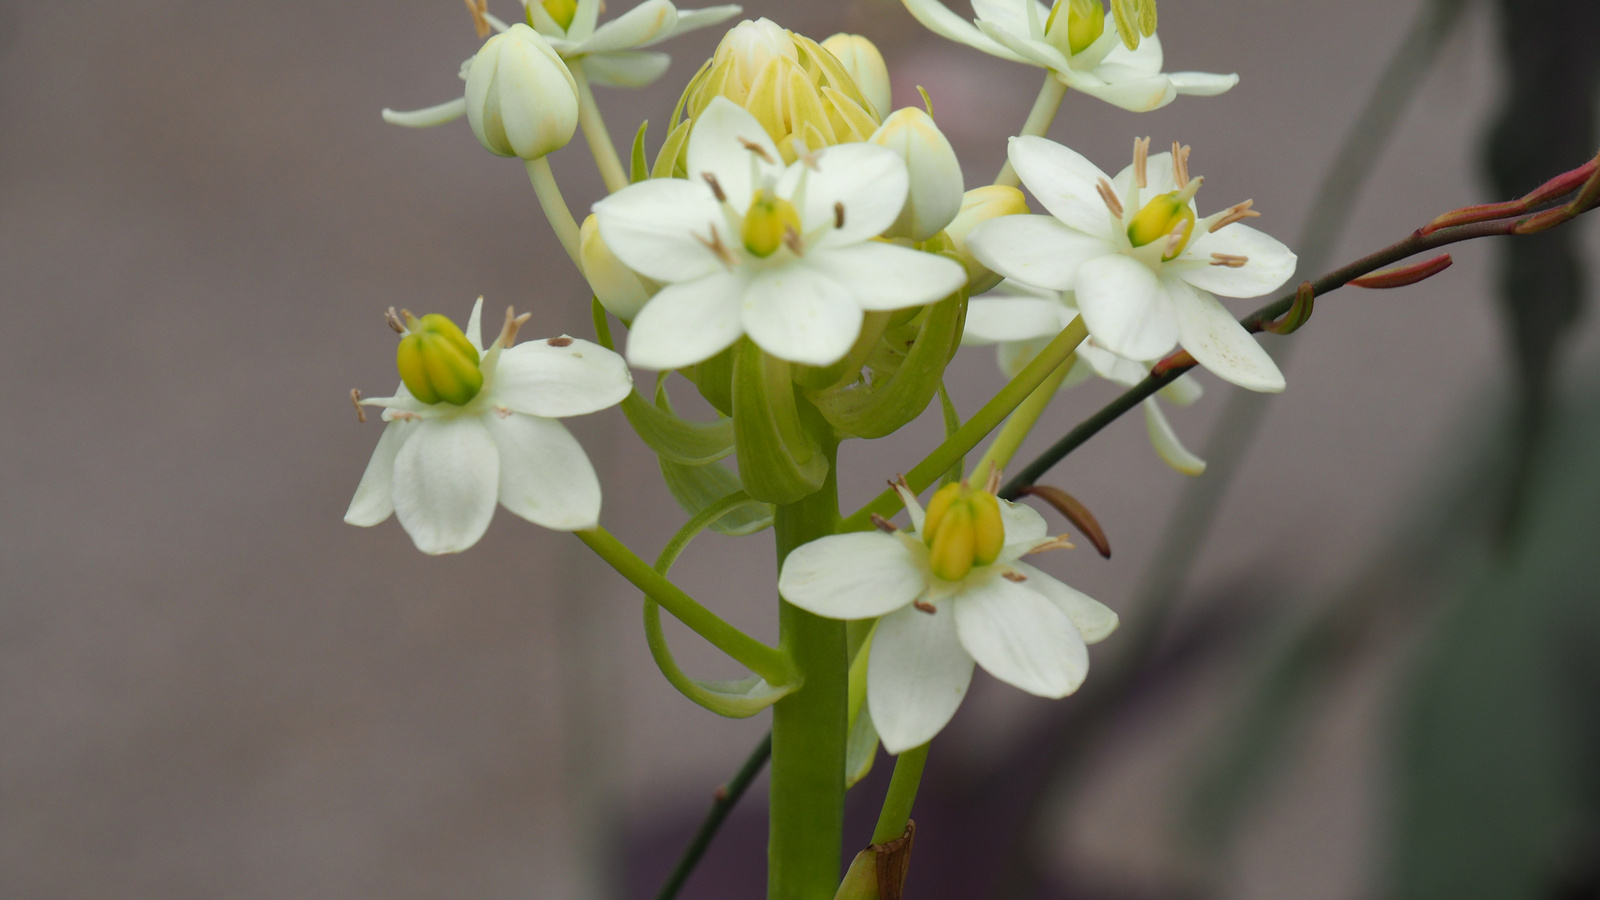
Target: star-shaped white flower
[1021, 320]
[747, 246]
[1103, 67]
[442, 467]
[1023, 626]
[1142, 264]
[612, 54]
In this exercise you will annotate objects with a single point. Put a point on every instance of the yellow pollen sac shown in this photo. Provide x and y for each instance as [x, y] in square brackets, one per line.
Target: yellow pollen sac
[962, 529]
[769, 220]
[1159, 218]
[436, 361]
[1084, 22]
[562, 11]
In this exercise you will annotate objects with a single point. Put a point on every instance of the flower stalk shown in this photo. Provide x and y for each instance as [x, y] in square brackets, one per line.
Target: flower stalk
[1043, 114]
[555, 208]
[595, 133]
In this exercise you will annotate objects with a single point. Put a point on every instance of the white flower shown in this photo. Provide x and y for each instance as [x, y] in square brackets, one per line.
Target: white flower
[441, 467]
[1078, 42]
[521, 100]
[1142, 265]
[612, 54]
[1022, 320]
[1023, 626]
[747, 246]
[936, 186]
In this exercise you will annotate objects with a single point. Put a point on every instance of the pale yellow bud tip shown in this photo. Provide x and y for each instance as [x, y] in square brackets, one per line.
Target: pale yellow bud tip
[963, 529]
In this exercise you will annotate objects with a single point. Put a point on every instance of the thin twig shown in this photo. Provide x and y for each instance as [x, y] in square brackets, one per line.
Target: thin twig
[726, 798]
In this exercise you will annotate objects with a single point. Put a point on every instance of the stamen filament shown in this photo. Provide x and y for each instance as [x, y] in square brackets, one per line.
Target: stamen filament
[1235, 213]
[1229, 260]
[1141, 160]
[1180, 164]
[1109, 195]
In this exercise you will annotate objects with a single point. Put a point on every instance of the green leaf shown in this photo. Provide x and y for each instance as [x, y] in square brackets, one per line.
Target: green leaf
[676, 439]
[779, 461]
[638, 166]
[698, 487]
[667, 159]
[899, 396]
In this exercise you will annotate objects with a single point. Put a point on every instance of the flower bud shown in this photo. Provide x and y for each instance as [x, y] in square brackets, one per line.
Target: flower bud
[621, 290]
[521, 100]
[979, 205]
[751, 45]
[1159, 219]
[962, 529]
[437, 362]
[935, 195]
[866, 67]
[562, 11]
[1074, 25]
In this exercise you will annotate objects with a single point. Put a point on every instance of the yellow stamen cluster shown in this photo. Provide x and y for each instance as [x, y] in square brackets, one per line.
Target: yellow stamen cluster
[437, 362]
[1084, 22]
[770, 223]
[962, 529]
[561, 10]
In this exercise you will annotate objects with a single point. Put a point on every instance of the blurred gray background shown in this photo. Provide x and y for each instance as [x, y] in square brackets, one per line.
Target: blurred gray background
[212, 687]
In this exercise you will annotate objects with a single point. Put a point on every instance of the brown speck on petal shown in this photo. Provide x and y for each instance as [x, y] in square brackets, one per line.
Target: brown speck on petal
[562, 341]
[924, 606]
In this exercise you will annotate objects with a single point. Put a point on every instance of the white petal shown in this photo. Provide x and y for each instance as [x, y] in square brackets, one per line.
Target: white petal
[1024, 528]
[1063, 181]
[583, 20]
[1110, 366]
[1183, 392]
[1146, 59]
[851, 576]
[1270, 262]
[691, 19]
[1202, 84]
[652, 227]
[796, 313]
[540, 379]
[916, 676]
[474, 332]
[885, 276]
[1159, 179]
[718, 145]
[1211, 335]
[1033, 52]
[626, 68]
[1010, 15]
[448, 111]
[687, 323]
[938, 18]
[1125, 308]
[1020, 637]
[373, 501]
[1036, 250]
[545, 477]
[1138, 94]
[913, 508]
[1094, 620]
[993, 319]
[446, 477]
[868, 180]
[1166, 442]
[634, 28]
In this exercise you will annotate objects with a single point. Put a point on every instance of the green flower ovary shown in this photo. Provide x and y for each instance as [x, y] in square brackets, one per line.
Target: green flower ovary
[768, 223]
[1159, 219]
[561, 10]
[1083, 24]
[437, 362]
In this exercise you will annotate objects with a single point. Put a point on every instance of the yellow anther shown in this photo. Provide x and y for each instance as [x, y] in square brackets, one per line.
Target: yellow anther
[768, 223]
[962, 529]
[562, 11]
[1160, 218]
[436, 361]
[1084, 22]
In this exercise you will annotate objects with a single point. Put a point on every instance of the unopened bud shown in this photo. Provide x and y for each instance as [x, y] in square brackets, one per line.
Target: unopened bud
[521, 100]
[979, 205]
[1158, 220]
[769, 222]
[436, 361]
[561, 10]
[860, 57]
[1074, 25]
[752, 44]
[934, 197]
[962, 529]
[620, 289]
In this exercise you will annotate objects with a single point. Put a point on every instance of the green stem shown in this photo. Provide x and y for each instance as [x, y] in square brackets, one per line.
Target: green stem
[903, 784]
[809, 726]
[768, 662]
[555, 208]
[976, 428]
[1020, 425]
[726, 798]
[595, 133]
[1039, 119]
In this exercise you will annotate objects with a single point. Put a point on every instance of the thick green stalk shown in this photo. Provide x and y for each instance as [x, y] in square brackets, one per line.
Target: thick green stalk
[1039, 119]
[976, 428]
[903, 784]
[768, 662]
[595, 133]
[809, 727]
